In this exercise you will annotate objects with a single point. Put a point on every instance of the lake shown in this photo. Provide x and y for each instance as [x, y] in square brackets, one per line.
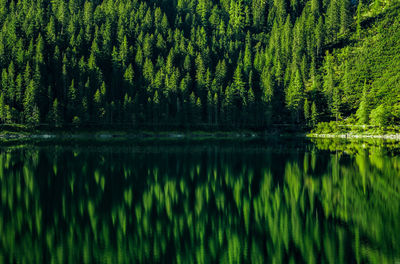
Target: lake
[200, 201]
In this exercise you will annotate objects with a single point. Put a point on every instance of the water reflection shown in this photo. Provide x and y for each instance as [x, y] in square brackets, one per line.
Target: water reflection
[200, 202]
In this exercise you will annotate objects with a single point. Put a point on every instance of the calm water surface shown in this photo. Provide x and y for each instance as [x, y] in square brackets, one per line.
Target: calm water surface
[200, 202]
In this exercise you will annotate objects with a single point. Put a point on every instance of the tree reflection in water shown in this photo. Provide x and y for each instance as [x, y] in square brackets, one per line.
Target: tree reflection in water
[325, 201]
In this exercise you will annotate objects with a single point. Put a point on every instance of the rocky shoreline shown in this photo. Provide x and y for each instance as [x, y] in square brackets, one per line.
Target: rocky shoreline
[356, 136]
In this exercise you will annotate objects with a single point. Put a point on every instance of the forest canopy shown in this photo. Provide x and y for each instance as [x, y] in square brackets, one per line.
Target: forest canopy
[219, 63]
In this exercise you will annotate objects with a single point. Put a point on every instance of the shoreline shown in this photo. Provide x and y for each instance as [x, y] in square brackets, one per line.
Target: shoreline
[355, 136]
[13, 136]
[8, 137]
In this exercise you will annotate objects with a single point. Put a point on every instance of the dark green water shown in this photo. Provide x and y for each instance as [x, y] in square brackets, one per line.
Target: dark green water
[200, 202]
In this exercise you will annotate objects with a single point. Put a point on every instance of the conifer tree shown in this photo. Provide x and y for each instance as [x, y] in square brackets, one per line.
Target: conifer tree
[363, 109]
[295, 95]
[215, 107]
[55, 114]
[2, 109]
[314, 114]
[238, 84]
[267, 86]
[345, 15]
[73, 102]
[29, 103]
[330, 88]
[307, 113]
[358, 19]
[319, 36]
[333, 19]
[247, 60]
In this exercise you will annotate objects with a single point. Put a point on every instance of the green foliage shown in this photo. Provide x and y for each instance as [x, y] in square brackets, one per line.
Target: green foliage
[307, 111]
[328, 128]
[236, 202]
[365, 73]
[102, 62]
[380, 116]
[55, 114]
[363, 110]
[295, 94]
[314, 114]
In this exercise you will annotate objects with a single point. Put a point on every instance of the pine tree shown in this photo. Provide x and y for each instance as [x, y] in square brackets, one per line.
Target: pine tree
[51, 32]
[72, 106]
[238, 85]
[236, 15]
[19, 89]
[295, 94]
[55, 114]
[4, 82]
[258, 11]
[220, 72]
[215, 107]
[363, 109]
[148, 70]
[345, 16]
[39, 59]
[148, 46]
[333, 19]
[7, 114]
[203, 7]
[29, 102]
[330, 88]
[161, 44]
[129, 79]
[307, 113]
[252, 106]
[336, 103]
[267, 86]
[380, 116]
[358, 19]
[193, 108]
[315, 8]
[200, 73]
[281, 10]
[164, 24]
[319, 36]
[2, 109]
[99, 102]
[124, 52]
[210, 106]
[139, 57]
[34, 118]
[247, 60]
[314, 114]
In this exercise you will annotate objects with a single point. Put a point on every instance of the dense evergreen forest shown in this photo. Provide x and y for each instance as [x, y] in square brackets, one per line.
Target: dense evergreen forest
[191, 63]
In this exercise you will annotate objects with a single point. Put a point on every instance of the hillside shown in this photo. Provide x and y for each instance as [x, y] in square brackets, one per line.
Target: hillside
[199, 63]
[365, 80]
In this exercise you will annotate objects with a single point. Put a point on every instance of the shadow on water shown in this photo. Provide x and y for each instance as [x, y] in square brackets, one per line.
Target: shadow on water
[201, 201]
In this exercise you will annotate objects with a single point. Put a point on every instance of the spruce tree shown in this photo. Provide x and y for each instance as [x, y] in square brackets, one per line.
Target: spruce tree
[363, 109]
[295, 95]
[345, 15]
[307, 113]
[314, 114]
[358, 19]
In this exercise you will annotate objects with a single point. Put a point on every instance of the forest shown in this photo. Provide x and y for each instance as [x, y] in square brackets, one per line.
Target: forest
[199, 63]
